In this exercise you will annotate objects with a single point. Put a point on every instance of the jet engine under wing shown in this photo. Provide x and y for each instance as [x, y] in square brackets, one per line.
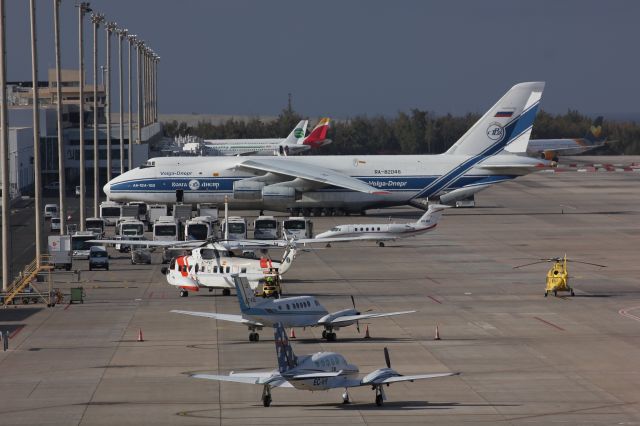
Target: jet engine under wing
[306, 171]
[360, 317]
[221, 317]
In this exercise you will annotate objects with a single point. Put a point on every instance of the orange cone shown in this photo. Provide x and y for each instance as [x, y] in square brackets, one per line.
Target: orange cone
[366, 332]
[437, 336]
[140, 339]
[292, 335]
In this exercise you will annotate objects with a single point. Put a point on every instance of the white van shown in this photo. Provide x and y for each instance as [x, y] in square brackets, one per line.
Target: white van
[51, 210]
[55, 223]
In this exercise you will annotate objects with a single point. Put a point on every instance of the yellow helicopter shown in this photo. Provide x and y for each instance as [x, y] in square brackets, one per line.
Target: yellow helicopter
[558, 274]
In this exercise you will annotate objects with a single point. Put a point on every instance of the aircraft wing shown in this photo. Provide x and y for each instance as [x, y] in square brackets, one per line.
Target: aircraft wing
[292, 168]
[257, 378]
[415, 377]
[352, 318]
[221, 317]
[149, 243]
[316, 375]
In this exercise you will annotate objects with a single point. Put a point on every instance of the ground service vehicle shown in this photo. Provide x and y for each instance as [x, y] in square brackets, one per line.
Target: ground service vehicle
[79, 244]
[182, 212]
[297, 227]
[110, 212]
[51, 210]
[55, 224]
[98, 258]
[165, 229]
[201, 228]
[206, 209]
[130, 211]
[59, 247]
[237, 228]
[266, 228]
[154, 212]
[95, 224]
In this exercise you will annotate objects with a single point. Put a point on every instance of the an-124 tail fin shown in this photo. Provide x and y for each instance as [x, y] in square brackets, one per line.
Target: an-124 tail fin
[510, 119]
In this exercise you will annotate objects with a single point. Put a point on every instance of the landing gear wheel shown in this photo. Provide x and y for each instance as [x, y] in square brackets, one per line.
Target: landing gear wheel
[379, 400]
[380, 244]
[226, 292]
[266, 400]
[210, 290]
[331, 337]
[555, 293]
[254, 337]
[324, 334]
[345, 398]
[546, 293]
[572, 293]
[184, 293]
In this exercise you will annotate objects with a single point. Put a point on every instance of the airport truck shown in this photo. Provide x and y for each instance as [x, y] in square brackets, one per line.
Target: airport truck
[237, 228]
[165, 229]
[297, 227]
[201, 228]
[110, 212]
[95, 224]
[80, 244]
[210, 210]
[182, 212]
[129, 211]
[266, 228]
[60, 251]
[155, 212]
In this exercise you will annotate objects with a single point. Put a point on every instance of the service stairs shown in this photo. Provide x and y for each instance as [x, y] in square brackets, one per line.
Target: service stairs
[28, 277]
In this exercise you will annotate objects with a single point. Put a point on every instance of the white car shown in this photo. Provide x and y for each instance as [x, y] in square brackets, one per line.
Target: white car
[51, 210]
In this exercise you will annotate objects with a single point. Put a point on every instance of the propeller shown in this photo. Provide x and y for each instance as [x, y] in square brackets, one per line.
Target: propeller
[387, 359]
[353, 302]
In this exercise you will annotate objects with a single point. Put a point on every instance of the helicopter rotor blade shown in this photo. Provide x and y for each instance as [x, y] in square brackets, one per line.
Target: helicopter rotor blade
[586, 263]
[532, 263]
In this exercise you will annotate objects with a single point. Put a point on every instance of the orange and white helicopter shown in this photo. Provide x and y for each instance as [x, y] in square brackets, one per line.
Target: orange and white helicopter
[213, 266]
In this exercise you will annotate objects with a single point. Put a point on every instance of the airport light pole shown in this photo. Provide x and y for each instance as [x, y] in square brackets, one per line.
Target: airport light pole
[36, 132]
[139, 48]
[96, 19]
[61, 169]
[132, 40]
[82, 9]
[4, 155]
[110, 27]
[122, 33]
[155, 88]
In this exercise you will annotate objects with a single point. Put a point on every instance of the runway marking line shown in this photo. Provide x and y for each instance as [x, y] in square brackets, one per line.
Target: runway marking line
[434, 299]
[15, 332]
[67, 307]
[550, 324]
[625, 313]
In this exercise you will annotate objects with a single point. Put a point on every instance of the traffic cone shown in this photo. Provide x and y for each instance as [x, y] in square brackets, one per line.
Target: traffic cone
[437, 336]
[292, 335]
[140, 339]
[366, 332]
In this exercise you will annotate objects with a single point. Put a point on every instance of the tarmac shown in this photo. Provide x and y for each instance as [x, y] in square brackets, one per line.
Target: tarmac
[523, 358]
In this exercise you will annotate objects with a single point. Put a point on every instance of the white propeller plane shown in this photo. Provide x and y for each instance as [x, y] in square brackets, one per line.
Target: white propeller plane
[299, 311]
[381, 232]
[318, 371]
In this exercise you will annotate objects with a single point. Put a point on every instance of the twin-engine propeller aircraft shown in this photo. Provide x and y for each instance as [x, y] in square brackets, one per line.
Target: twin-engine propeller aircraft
[486, 154]
[381, 232]
[318, 371]
[299, 311]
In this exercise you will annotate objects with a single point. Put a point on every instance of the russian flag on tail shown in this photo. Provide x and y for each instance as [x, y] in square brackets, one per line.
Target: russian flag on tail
[504, 114]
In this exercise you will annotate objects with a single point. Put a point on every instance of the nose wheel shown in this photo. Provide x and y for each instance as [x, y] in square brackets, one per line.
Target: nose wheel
[330, 336]
[345, 397]
[184, 293]
[226, 292]
[266, 396]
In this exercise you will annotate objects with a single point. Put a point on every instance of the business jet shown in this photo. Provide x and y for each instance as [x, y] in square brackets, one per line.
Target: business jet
[550, 149]
[485, 155]
[317, 372]
[299, 311]
[381, 232]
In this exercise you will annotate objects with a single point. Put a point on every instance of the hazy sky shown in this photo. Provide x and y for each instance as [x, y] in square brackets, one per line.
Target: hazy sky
[348, 57]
